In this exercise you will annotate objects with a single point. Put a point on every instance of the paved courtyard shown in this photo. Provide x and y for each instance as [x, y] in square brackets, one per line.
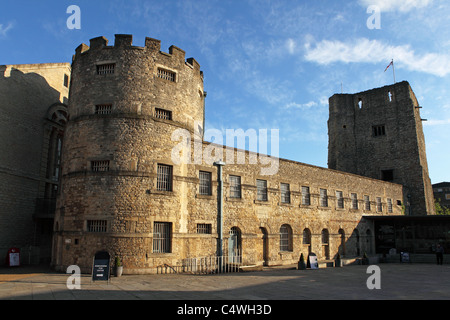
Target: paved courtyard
[398, 282]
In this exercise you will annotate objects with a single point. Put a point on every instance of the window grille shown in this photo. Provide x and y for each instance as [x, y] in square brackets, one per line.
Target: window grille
[204, 228]
[285, 238]
[164, 178]
[261, 188]
[103, 109]
[389, 205]
[323, 198]
[108, 68]
[378, 131]
[379, 205]
[340, 199]
[285, 193]
[162, 234]
[166, 75]
[163, 114]
[100, 166]
[354, 201]
[205, 183]
[367, 202]
[97, 225]
[306, 196]
[306, 236]
[235, 187]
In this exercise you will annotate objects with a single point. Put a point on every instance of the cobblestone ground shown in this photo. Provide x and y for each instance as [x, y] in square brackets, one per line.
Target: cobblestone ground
[397, 282]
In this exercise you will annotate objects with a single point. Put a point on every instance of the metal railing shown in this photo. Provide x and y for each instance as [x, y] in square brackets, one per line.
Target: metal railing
[205, 265]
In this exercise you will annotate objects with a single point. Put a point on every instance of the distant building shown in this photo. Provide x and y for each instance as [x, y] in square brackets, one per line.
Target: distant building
[442, 193]
[33, 114]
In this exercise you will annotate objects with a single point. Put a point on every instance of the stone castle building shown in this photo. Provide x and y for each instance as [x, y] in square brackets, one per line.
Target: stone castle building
[122, 190]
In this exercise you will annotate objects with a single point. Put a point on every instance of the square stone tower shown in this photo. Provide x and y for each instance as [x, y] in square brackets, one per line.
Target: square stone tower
[378, 134]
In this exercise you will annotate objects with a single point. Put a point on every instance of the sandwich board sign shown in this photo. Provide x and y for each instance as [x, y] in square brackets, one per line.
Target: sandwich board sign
[101, 266]
[312, 261]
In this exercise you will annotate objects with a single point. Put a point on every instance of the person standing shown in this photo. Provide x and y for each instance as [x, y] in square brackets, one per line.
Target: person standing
[439, 254]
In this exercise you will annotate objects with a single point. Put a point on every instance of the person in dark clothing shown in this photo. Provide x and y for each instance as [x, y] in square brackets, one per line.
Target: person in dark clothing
[439, 254]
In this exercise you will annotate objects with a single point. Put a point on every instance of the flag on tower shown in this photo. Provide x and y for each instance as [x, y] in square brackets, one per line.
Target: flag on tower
[390, 64]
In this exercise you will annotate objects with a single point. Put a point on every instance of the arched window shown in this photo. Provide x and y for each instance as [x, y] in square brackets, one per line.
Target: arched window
[285, 238]
[307, 239]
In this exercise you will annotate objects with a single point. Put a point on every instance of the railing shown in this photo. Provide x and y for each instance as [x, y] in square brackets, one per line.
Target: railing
[205, 265]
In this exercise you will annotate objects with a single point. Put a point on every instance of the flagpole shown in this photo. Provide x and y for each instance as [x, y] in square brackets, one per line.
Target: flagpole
[393, 70]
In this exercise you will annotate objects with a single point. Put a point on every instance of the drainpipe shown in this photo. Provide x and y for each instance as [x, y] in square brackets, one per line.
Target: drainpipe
[219, 165]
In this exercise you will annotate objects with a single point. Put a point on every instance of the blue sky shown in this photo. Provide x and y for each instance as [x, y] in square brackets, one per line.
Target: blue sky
[267, 64]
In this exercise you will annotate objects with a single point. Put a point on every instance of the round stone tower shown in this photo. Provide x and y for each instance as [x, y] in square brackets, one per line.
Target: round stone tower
[125, 103]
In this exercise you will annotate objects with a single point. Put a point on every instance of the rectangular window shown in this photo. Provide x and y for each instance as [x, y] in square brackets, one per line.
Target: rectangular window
[235, 187]
[261, 188]
[339, 200]
[205, 183]
[387, 175]
[164, 178]
[97, 225]
[103, 109]
[66, 81]
[285, 193]
[367, 203]
[379, 205]
[204, 228]
[107, 68]
[100, 166]
[323, 198]
[306, 196]
[166, 75]
[447, 196]
[354, 197]
[378, 131]
[389, 205]
[163, 114]
[162, 237]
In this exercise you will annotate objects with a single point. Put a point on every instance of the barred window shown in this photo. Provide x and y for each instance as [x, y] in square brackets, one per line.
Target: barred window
[204, 228]
[97, 225]
[261, 190]
[162, 237]
[389, 205]
[285, 238]
[354, 201]
[378, 131]
[166, 75]
[100, 166]
[367, 203]
[235, 187]
[164, 178]
[306, 196]
[323, 198]
[379, 205]
[107, 68]
[103, 109]
[285, 193]
[339, 199]
[163, 114]
[205, 183]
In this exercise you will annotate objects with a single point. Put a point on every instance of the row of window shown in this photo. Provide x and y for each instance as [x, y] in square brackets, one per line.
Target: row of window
[109, 68]
[108, 108]
[162, 234]
[164, 182]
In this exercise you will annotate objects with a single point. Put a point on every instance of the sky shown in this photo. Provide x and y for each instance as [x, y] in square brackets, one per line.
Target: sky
[267, 64]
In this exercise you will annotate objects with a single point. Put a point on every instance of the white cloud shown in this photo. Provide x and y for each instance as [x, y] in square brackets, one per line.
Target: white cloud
[4, 30]
[364, 50]
[290, 44]
[396, 5]
[301, 106]
[436, 122]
